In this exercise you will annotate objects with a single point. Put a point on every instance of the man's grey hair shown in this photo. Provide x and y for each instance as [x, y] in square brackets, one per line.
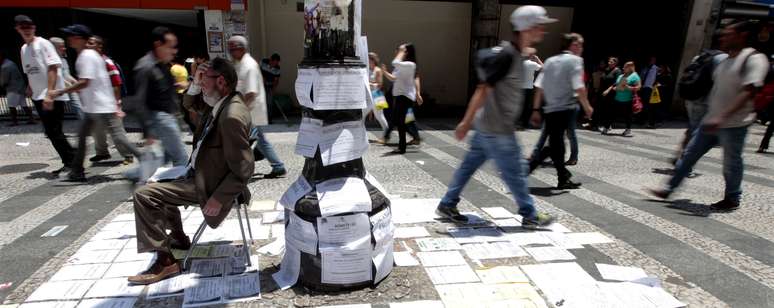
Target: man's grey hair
[239, 40]
[56, 40]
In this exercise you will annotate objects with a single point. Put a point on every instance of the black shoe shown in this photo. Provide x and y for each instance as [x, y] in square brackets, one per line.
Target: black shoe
[451, 213]
[605, 131]
[571, 162]
[567, 184]
[659, 193]
[276, 174]
[725, 205]
[99, 158]
[75, 177]
[182, 243]
[60, 170]
[627, 133]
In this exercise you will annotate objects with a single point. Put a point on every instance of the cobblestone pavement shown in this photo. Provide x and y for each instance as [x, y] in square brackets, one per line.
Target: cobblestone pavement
[702, 258]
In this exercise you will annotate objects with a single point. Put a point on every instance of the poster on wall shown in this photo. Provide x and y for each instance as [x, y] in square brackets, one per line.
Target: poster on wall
[215, 41]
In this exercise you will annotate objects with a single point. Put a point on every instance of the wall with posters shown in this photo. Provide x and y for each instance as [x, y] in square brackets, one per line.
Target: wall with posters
[440, 30]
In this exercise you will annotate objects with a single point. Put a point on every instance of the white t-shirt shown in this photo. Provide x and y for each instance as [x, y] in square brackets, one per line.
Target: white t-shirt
[729, 82]
[98, 96]
[530, 67]
[404, 79]
[251, 81]
[36, 58]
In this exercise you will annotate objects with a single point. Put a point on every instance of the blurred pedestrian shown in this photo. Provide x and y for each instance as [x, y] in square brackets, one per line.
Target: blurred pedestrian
[67, 74]
[560, 90]
[605, 108]
[270, 71]
[493, 111]
[649, 77]
[376, 81]
[180, 75]
[404, 92]
[42, 64]
[100, 105]
[737, 80]
[250, 84]
[532, 66]
[625, 87]
[12, 82]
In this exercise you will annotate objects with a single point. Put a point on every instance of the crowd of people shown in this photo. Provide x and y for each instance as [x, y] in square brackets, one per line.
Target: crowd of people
[224, 104]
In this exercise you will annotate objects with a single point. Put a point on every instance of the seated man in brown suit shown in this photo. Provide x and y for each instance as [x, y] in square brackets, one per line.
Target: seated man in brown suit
[220, 166]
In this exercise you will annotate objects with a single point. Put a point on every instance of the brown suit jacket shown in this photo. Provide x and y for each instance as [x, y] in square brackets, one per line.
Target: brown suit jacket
[225, 161]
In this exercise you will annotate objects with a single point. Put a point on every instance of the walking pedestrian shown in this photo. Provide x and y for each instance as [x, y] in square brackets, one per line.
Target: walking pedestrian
[250, 85]
[737, 79]
[155, 99]
[376, 81]
[649, 77]
[404, 92]
[493, 110]
[97, 44]
[180, 75]
[625, 87]
[42, 64]
[100, 105]
[270, 71]
[532, 66]
[605, 109]
[12, 81]
[764, 103]
[560, 88]
[75, 101]
[698, 75]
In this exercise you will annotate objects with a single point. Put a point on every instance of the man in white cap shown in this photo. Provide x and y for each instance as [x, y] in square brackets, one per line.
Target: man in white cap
[493, 110]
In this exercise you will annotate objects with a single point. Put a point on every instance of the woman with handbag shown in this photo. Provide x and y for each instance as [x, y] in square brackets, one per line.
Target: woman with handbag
[404, 92]
[376, 80]
[626, 99]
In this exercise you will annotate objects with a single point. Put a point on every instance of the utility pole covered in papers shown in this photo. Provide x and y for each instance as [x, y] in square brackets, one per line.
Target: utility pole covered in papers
[338, 223]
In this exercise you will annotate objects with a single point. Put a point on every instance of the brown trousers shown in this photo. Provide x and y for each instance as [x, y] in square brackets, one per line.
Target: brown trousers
[156, 211]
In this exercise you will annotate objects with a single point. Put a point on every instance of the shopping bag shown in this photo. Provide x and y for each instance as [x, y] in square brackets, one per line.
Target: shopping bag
[637, 104]
[410, 116]
[655, 97]
[380, 102]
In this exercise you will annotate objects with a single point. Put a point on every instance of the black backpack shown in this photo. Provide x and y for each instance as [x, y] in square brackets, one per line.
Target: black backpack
[696, 81]
[492, 64]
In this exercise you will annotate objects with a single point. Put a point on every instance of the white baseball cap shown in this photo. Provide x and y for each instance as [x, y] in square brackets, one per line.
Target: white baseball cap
[529, 16]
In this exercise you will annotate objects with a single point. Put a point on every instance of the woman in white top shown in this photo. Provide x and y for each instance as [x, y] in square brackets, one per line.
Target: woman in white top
[376, 81]
[404, 92]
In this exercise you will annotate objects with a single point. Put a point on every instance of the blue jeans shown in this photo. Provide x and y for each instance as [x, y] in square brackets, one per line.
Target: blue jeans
[506, 152]
[571, 136]
[262, 145]
[732, 140]
[164, 127]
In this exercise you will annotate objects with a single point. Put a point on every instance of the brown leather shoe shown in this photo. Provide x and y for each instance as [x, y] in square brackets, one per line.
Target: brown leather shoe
[156, 273]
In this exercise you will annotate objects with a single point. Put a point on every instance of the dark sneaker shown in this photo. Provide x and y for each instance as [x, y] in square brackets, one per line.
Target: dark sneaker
[76, 177]
[276, 173]
[606, 131]
[415, 142]
[761, 150]
[725, 205]
[99, 158]
[659, 193]
[627, 133]
[540, 220]
[567, 184]
[571, 162]
[451, 213]
[128, 160]
[60, 170]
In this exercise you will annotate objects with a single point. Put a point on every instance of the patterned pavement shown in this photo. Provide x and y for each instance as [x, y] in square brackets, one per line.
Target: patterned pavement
[702, 258]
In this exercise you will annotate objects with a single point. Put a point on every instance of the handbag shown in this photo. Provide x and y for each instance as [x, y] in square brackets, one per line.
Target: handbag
[636, 104]
[380, 102]
[410, 116]
[655, 97]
